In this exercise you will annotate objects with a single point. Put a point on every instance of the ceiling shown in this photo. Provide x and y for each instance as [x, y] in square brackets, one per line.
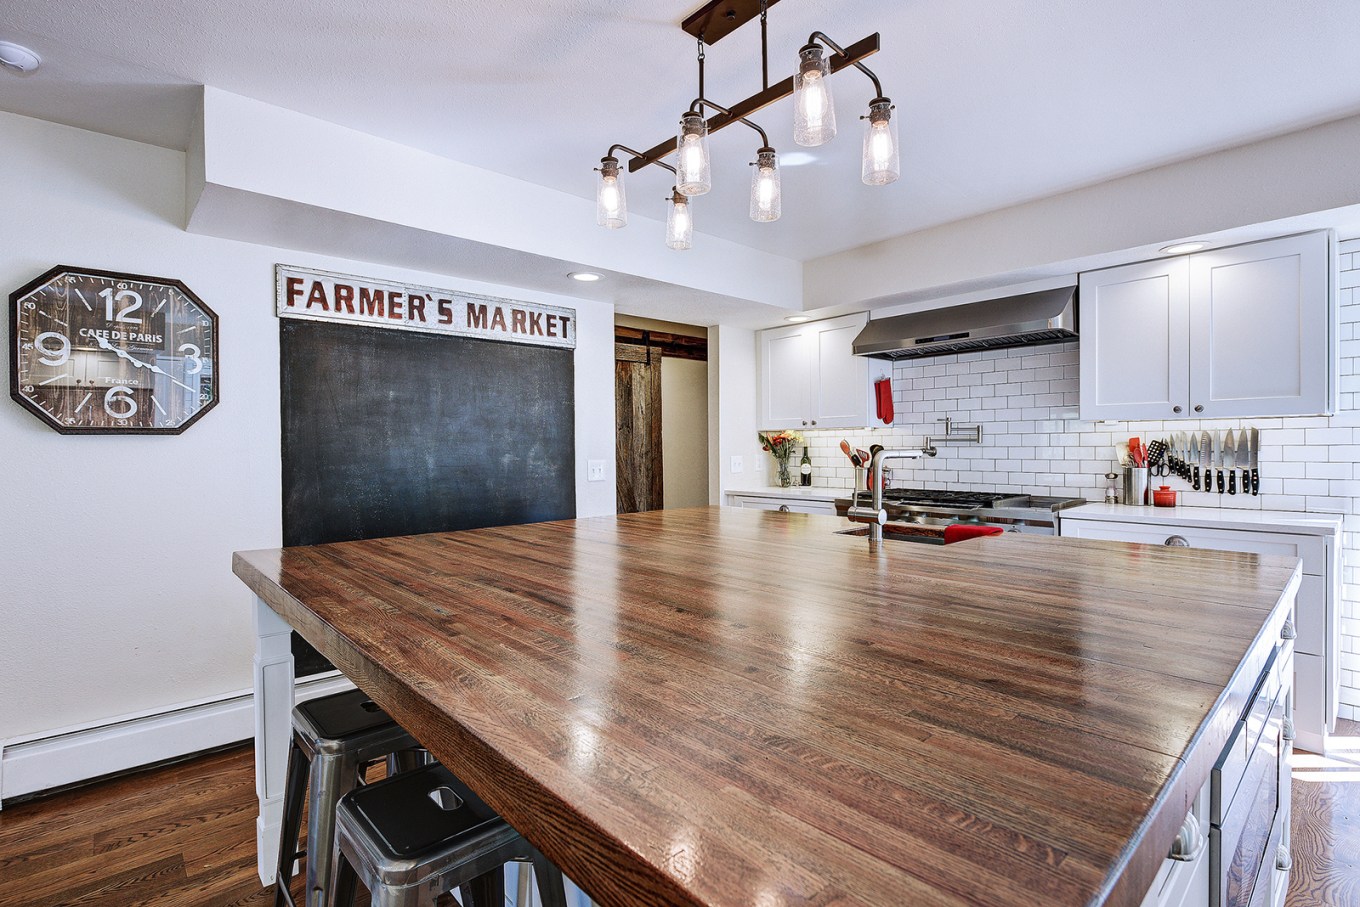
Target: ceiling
[999, 102]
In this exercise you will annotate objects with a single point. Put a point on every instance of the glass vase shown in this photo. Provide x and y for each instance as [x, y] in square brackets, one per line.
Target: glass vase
[785, 479]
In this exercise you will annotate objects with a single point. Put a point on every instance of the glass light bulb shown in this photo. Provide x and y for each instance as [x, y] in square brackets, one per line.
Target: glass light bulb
[765, 194]
[882, 161]
[611, 205]
[692, 176]
[814, 113]
[679, 224]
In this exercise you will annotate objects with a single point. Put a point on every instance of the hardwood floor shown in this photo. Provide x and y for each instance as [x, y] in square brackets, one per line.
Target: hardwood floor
[184, 836]
[1326, 845]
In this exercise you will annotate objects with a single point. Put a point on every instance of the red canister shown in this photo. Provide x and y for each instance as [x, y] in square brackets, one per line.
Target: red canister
[1164, 497]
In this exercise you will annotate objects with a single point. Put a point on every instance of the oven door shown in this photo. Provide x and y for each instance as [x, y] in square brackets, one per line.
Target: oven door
[1246, 817]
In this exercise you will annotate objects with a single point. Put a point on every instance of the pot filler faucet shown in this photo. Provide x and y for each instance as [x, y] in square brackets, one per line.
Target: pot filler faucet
[874, 514]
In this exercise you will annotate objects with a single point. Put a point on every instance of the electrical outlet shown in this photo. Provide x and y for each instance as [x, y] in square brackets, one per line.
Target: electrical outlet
[595, 470]
[736, 464]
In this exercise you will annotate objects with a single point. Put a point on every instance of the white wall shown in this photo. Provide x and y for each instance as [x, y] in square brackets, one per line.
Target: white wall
[115, 552]
[732, 407]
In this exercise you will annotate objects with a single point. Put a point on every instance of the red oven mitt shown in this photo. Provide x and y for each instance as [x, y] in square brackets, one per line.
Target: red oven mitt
[883, 397]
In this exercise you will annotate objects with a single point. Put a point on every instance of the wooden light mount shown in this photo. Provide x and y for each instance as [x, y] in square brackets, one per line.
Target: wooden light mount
[718, 19]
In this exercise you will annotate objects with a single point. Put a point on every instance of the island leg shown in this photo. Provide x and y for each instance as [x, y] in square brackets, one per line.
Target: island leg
[274, 692]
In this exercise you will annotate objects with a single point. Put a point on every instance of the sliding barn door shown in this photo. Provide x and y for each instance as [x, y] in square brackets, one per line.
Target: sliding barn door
[637, 413]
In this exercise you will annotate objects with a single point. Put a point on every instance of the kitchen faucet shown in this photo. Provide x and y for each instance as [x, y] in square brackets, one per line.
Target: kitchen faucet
[875, 515]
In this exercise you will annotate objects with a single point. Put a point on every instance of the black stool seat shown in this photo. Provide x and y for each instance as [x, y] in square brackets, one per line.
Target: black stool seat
[419, 810]
[423, 833]
[343, 714]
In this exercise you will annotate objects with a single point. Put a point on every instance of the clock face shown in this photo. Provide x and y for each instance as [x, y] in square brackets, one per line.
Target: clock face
[95, 352]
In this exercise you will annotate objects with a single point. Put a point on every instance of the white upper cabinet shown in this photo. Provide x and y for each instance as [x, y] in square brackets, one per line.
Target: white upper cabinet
[1235, 332]
[810, 379]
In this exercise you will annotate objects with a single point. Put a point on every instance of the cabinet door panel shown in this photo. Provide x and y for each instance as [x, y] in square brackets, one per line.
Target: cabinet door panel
[840, 381]
[786, 378]
[1134, 343]
[1311, 708]
[1259, 328]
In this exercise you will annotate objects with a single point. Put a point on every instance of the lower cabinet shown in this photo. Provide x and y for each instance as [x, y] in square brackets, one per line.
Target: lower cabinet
[1317, 647]
[787, 505]
[1183, 881]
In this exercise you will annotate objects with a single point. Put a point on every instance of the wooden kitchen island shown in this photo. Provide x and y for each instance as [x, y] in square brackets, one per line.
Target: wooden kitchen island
[722, 706]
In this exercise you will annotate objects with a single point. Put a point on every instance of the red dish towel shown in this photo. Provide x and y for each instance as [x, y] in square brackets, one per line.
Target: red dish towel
[883, 396]
[958, 532]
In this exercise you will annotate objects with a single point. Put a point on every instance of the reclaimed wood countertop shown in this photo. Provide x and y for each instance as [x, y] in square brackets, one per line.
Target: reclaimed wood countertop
[722, 706]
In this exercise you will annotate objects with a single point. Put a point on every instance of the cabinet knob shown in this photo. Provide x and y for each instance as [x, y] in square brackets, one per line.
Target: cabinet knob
[805, 421]
[1176, 541]
[814, 421]
[1199, 407]
[783, 508]
[1176, 409]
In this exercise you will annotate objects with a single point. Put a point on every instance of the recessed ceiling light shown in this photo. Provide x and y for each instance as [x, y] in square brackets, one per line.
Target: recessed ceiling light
[18, 58]
[797, 319]
[1181, 248]
[585, 276]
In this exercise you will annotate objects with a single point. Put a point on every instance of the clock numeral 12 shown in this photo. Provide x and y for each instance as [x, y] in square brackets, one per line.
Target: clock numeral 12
[111, 297]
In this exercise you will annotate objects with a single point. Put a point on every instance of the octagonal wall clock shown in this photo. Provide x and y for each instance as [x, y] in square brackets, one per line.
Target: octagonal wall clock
[102, 352]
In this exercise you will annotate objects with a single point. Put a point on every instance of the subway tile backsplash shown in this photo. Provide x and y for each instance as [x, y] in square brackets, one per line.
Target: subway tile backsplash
[1026, 402]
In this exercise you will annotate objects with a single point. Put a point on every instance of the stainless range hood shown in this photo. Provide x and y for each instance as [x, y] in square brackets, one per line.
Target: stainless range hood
[1048, 316]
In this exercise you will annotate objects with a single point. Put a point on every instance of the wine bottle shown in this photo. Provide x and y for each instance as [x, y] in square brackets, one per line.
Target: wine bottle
[805, 469]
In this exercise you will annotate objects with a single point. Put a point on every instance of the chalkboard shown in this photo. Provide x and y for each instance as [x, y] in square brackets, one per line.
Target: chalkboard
[395, 433]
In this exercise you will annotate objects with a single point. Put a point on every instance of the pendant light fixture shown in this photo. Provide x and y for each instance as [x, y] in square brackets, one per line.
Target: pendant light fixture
[679, 224]
[814, 112]
[814, 124]
[882, 163]
[765, 202]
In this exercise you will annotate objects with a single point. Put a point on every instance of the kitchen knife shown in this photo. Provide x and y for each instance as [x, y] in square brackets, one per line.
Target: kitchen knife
[1242, 449]
[1230, 460]
[1206, 455]
[1178, 444]
[1253, 457]
[1186, 456]
[1201, 454]
[1217, 454]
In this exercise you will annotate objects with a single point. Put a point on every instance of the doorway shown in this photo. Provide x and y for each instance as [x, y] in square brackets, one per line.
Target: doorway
[661, 414]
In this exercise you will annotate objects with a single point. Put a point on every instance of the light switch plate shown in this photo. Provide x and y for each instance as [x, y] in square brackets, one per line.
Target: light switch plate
[736, 464]
[595, 470]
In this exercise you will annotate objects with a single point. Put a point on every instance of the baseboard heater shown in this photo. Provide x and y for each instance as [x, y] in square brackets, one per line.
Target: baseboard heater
[55, 759]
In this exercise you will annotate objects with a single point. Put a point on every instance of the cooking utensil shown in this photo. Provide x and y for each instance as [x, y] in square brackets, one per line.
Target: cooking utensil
[1156, 458]
[1243, 452]
[1121, 450]
[1230, 460]
[849, 452]
[1252, 458]
[1136, 453]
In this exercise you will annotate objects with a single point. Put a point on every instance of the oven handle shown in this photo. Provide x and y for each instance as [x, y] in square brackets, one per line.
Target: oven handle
[1190, 841]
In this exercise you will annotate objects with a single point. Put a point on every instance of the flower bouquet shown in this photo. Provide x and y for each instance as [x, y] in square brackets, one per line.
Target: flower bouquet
[782, 445]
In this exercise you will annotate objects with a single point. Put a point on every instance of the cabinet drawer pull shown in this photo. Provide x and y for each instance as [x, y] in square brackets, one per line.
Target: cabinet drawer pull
[1283, 861]
[1199, 407]
[1176, 541]
[1287, 732]
[1288, 631]
[783, 508]
[1189, 843]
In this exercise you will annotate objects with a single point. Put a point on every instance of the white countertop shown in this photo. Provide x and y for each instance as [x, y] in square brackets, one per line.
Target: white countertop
[1211, 518]
[794, 492]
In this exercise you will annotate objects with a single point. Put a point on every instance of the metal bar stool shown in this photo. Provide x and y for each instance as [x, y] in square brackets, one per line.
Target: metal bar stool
[334, 738]
[423, 833]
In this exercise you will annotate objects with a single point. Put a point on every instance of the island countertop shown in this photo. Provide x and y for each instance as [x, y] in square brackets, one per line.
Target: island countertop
[723, 706]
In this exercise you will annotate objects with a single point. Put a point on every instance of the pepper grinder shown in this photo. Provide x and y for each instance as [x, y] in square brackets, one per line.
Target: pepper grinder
[1111, 488]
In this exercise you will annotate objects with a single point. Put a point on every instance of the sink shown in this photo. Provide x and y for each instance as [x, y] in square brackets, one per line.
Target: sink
[900, 533]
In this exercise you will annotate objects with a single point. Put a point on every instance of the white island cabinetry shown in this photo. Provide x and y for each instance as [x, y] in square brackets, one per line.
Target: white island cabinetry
[1315, 539]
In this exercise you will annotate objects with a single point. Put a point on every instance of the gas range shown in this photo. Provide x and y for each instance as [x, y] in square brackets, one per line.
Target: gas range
[1009, 510]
